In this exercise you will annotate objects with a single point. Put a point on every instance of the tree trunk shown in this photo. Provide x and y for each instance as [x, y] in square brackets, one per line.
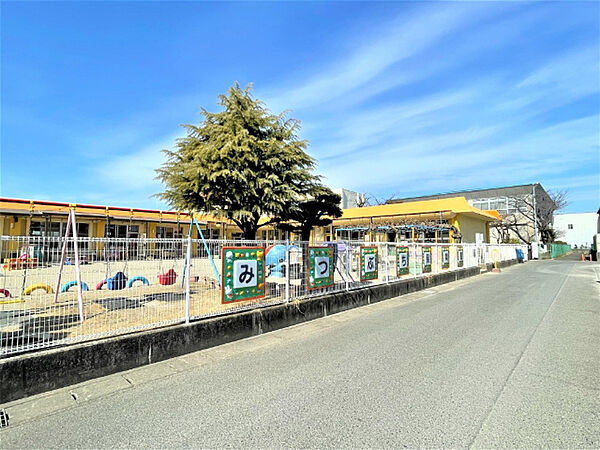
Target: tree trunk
[250, 232]
[305, 235]
[248, 229]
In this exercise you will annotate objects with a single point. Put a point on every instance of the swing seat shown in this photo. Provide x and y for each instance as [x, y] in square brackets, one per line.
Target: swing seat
[100, 284]
[117, 282]
[167, 278]
[138, 278]
[29, 289]
[65, 287]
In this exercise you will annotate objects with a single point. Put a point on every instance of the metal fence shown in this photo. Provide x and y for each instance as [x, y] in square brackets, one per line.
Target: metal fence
[135, 284]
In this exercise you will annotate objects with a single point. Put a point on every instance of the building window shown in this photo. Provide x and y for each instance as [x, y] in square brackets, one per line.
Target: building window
[37, 228]
[83, 230]
[164, 232]
[115, 231]
[570, 226]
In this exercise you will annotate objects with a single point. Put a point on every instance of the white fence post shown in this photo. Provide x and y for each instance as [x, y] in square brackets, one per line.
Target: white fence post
[188, 257]
[387, 262]
[348, 262]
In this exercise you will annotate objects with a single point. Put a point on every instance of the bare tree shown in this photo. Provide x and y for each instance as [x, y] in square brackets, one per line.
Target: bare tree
[373, 200]
[527, 211]
[362, 200]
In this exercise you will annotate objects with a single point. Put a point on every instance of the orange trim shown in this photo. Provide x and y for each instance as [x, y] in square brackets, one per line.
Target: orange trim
[116, 212]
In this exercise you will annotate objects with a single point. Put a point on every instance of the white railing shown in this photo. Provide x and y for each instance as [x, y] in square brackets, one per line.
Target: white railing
[135, 284]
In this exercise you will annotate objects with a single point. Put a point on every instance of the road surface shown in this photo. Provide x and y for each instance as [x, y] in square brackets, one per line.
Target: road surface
[500, 360]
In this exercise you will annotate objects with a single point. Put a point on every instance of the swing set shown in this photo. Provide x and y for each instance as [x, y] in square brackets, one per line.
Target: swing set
[194, 222]
[119, 280]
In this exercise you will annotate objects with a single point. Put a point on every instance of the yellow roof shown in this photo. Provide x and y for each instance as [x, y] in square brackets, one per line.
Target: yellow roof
[453, 205]
[22, 206]
[494, 213]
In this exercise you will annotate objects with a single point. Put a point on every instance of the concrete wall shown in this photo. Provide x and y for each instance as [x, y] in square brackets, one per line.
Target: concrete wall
[30, 374]
[350, 199]
[582, 231]
[468, 227]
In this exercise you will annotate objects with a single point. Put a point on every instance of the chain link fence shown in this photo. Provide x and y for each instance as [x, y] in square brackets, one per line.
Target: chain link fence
[134, 284]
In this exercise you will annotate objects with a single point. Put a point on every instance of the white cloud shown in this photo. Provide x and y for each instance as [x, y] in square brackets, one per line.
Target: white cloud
[398, 40]
[136, 171]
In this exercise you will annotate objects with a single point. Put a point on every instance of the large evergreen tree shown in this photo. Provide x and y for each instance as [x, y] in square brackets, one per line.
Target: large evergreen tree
[242, 163]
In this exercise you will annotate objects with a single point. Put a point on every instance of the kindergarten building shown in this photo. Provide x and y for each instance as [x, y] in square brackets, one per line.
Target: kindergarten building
[443, 220]
[47, 219]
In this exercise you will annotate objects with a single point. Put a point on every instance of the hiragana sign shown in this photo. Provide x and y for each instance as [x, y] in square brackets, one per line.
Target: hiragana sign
[460, 256]
[426, 259]
[445, 257]
[402, 261]
[369, 263]
[320, 271]
[243, 273]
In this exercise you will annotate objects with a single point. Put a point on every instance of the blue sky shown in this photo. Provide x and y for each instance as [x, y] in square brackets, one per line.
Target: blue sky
[395, 98]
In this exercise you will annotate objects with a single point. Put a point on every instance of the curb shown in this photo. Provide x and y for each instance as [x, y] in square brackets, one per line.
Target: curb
[29, 374]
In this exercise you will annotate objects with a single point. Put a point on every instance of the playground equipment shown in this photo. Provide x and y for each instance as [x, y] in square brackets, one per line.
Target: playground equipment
[71, 226]
[170, 276]
[65, 287]
[34, 287]
[138, 278]
[167, 278]
[275, 258]
[8, 299]
[117, 282]
[212, 261]
[275, 254]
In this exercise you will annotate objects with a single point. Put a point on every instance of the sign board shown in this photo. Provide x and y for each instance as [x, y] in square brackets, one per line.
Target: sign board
[402, 261]
[426, 259]
[460, 256]
[445, 257]
[321, 270]
[243, 274]
[369, 263]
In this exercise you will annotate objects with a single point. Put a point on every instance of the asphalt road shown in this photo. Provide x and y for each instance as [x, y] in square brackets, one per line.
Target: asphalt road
[501, 360]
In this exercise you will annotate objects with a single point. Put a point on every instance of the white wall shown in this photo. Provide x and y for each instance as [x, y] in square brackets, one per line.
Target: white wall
[349, 198]
[583, 228]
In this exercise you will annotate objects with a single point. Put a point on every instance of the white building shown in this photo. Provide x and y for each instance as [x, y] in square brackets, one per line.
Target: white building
[350, 199]
[576, 229]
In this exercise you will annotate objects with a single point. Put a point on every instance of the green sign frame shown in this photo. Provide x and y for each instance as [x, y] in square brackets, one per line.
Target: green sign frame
[445, 257]
[460, 256]
[243, 274]
[320, 258]
[426, 259]
[402, 261]
[369, 263]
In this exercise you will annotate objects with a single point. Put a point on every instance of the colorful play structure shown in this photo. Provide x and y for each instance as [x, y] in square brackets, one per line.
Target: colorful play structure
[275, 258]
